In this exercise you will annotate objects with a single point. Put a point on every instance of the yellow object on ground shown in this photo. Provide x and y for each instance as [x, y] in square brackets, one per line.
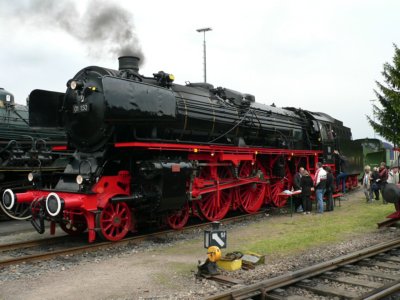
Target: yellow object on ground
[230, 265]
[213, 253]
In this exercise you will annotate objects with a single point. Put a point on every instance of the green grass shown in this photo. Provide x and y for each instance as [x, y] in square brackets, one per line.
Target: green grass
[303, 231]
[287, 235]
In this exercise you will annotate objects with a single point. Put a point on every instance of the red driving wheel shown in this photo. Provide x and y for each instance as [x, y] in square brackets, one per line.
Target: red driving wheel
[178, 219]
[215, 205]
[114, 221]
[277, 186]
[251, 195]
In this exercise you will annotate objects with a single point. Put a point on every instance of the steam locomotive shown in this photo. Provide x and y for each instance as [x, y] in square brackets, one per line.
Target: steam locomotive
[22, 150]
[149, 150]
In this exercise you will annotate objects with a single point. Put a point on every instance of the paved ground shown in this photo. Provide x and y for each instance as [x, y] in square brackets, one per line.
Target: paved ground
[9, 227]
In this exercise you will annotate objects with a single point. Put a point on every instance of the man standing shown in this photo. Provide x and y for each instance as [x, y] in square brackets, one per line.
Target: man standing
[342, 175]
[375, 182]
[320, 184]
[383, 177]
[329, 189]
[297, 186]
[366, 183]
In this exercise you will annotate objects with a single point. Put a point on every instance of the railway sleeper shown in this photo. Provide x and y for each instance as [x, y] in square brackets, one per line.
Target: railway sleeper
[386, 265]
[371, 273]
[390, 258]
[385, 290]
[353, 281]
[326, 290]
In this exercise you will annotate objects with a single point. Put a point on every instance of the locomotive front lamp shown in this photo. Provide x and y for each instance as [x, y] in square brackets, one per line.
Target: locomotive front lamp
[30, 177]
[79, 179]
[33, 177]
[75, 85]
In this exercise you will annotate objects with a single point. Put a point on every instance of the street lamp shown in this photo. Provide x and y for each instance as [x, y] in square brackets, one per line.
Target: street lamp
[204, 50]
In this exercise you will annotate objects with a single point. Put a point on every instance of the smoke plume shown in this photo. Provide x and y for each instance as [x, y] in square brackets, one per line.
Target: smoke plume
[103, 27]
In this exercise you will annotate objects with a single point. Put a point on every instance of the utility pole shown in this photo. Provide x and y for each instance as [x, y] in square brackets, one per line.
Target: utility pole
[204, 50]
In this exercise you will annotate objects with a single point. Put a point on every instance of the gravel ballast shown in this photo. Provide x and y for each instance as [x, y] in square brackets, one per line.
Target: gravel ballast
[160, 269]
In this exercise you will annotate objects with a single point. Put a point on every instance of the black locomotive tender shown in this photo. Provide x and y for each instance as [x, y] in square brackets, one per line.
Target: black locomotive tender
[22, 150]
[185, 149]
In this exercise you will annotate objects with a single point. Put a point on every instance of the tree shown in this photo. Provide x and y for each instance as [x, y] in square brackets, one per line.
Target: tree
[387, 123]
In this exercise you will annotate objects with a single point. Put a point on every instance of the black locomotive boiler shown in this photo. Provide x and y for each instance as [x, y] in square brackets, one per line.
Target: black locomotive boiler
[148, 149]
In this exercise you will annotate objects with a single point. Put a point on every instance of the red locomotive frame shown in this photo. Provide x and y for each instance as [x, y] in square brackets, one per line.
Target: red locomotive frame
[211, 194]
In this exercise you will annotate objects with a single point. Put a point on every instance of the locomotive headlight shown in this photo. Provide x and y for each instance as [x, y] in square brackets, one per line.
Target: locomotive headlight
[34, 177]
[30, 177]
[79, 179]
[75, 85]
[54, 204]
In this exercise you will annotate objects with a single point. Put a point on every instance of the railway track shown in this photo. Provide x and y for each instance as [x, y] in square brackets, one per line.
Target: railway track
[372, 273]
[44, 249]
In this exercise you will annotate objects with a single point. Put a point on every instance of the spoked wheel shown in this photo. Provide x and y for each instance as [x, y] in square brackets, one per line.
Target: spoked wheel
[268, 193]
[114, 221]
[215, 205]
[178, 219]
[12, 209]
[251, 195]
[277, 186]
[74, 224]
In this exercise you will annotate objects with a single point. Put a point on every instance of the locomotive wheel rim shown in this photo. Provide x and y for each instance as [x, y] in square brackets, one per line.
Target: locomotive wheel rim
[251, 196]
[20, 211]
[178, 220]
[75, 226]
[209, 206]
[276, 189]
[114, 221]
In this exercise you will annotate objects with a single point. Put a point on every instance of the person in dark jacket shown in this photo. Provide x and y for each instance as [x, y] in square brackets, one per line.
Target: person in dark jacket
[306, 184]
[375, 183]
[329, 189]
[341, 162]
[296, 186]
[383, 177]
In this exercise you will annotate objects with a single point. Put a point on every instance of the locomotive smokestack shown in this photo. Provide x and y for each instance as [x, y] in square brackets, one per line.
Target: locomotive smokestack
[129, 63]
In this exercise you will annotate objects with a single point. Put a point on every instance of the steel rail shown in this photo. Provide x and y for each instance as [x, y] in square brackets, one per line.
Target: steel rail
[261, 288]
[384, 291]
[30, 244]
[100, 245]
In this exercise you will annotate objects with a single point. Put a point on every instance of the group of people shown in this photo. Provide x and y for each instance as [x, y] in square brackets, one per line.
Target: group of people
[322, 184]
[375, 180]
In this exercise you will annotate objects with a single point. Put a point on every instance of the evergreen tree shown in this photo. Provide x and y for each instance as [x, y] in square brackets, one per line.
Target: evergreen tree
[387, 123]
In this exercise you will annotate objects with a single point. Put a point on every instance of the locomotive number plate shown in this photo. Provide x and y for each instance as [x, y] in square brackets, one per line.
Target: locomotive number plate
[80, 108]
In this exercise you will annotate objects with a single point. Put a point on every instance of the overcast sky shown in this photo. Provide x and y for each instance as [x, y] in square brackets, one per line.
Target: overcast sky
[316, 55]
